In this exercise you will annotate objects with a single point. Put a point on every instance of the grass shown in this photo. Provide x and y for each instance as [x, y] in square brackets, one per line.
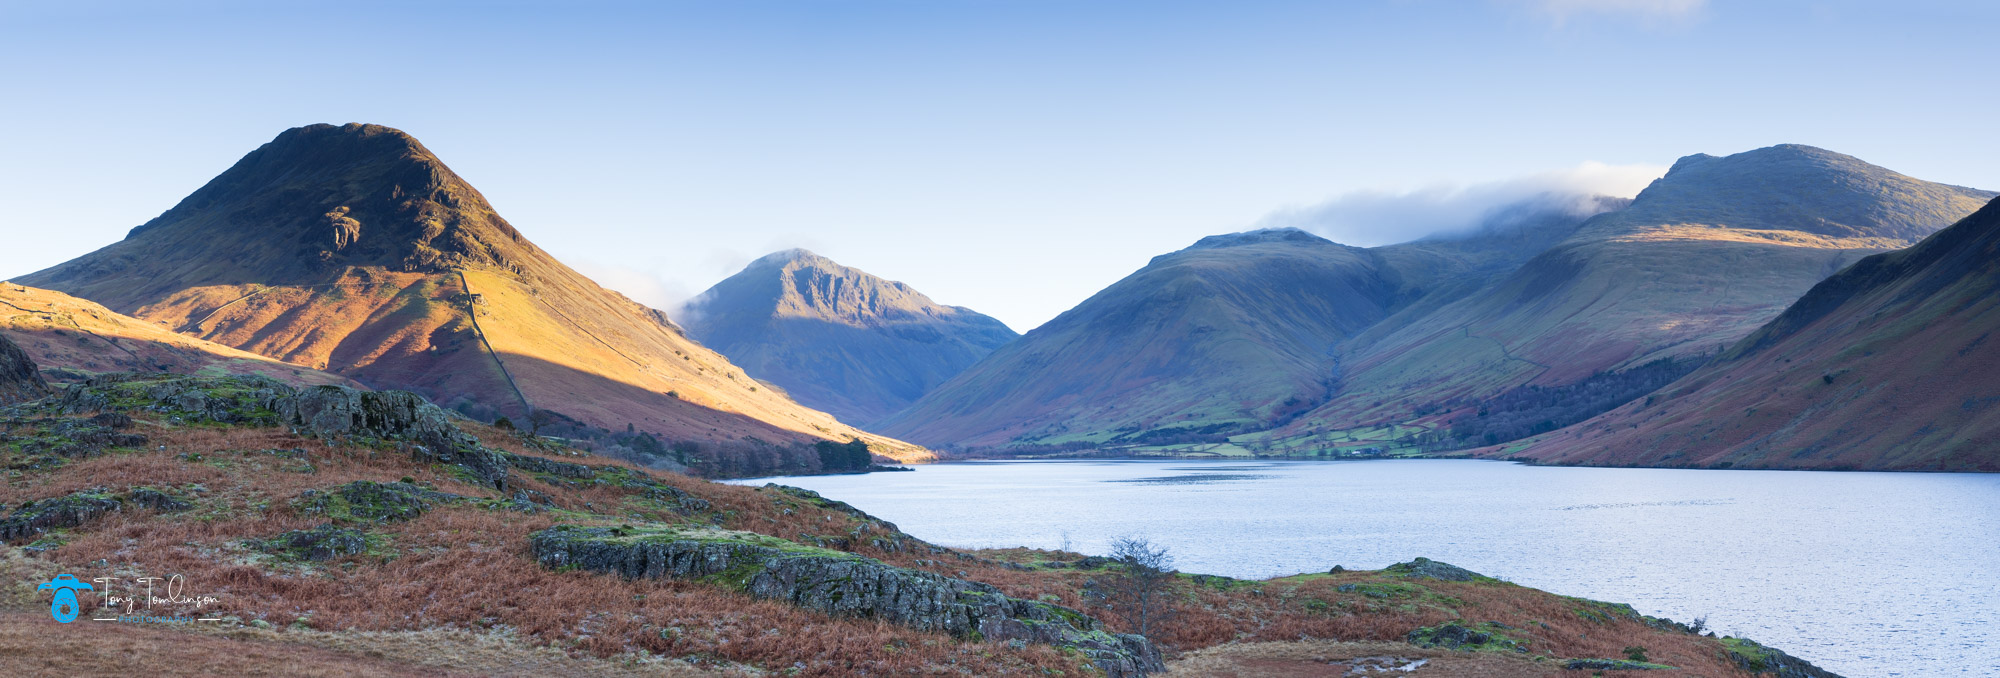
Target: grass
[465, 567]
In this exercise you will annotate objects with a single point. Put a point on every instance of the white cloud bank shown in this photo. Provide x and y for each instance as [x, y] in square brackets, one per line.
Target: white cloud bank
[1373, 217]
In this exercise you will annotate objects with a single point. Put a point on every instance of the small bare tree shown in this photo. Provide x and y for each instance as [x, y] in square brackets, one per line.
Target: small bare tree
[1143, 586]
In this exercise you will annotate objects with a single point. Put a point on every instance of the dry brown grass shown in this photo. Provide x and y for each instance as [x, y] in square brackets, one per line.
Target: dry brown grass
[462, 569]
[1316, 658]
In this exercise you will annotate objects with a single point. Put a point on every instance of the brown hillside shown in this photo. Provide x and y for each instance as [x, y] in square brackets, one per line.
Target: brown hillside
[1888, 365]
[356, 251]
[371, 558]
[72, 339]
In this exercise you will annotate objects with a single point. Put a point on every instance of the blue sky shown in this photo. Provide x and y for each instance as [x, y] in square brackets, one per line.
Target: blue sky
[1013, 157]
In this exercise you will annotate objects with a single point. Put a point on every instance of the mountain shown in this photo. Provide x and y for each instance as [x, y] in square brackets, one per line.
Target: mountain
[73, 339]
[1236, 333]
[1227, 334]
[1635, 297]
[836, 338]
[20, 379]
[1887, 365]
[1552, 311]
[355, 250]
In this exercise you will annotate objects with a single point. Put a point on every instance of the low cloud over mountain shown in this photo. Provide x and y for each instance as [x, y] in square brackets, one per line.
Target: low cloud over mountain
[1369, 218]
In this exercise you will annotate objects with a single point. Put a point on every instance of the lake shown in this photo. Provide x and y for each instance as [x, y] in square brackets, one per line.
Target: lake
[1864, 574]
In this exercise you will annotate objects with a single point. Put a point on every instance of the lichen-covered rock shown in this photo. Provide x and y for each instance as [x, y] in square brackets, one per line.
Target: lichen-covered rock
[368, 501]
[1761, 660]
[329, 412]
[322, 543]
[560, 469]
[20, 379]
[56, 439]
[157, 500]
[339, 412]
[37, 517]
[841, 584]
[1454, 636]
[1425, 568]
[815, 499]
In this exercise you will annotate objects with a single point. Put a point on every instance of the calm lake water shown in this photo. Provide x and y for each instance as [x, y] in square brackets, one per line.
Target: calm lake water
[1865, 574]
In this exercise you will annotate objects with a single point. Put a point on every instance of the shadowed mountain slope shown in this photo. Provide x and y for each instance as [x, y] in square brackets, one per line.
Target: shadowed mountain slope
[73, 339]
[836, 338]
[1702, 257]
[1227, 334]
[356, 251]
[1888, 365]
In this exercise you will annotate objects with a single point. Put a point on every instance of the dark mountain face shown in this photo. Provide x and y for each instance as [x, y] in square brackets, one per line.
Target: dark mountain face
[1886, 365]
[20, 379]
[356, 251]
[836, 338]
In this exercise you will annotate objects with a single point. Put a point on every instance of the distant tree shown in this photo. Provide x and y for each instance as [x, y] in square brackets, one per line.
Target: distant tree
[852, 455]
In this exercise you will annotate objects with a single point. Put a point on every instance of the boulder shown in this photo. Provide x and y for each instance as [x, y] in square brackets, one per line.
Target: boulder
[1455, 636]
[338, 412]
[365, 501]
[322, 543]
[20, 379]
[1425, 568]
[37, 517]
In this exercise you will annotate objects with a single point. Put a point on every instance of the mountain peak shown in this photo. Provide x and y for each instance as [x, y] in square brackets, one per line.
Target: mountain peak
[320, 197]
[1794, 187]
[1262, 235]
[838, 338]
[798, 283]
[799, 254]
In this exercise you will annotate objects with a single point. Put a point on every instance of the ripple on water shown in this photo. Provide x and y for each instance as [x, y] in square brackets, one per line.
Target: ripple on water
[1196, 479]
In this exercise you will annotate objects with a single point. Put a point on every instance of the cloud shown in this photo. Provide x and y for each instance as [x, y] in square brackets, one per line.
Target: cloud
[1561, 11]
[1375, 217]
[641, 286]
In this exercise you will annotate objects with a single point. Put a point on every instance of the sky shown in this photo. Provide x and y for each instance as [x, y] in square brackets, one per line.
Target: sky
[1011, 156]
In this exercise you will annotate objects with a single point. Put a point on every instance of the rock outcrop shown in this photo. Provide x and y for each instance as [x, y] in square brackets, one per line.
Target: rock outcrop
[322, 543]
[20, 379]
[1761, 660]
[365, 501]
[843, 584]
[1425, 568]
[72, 510]
[334, 413]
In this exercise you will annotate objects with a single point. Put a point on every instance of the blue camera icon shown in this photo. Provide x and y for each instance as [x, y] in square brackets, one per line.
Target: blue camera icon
[65, 607]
